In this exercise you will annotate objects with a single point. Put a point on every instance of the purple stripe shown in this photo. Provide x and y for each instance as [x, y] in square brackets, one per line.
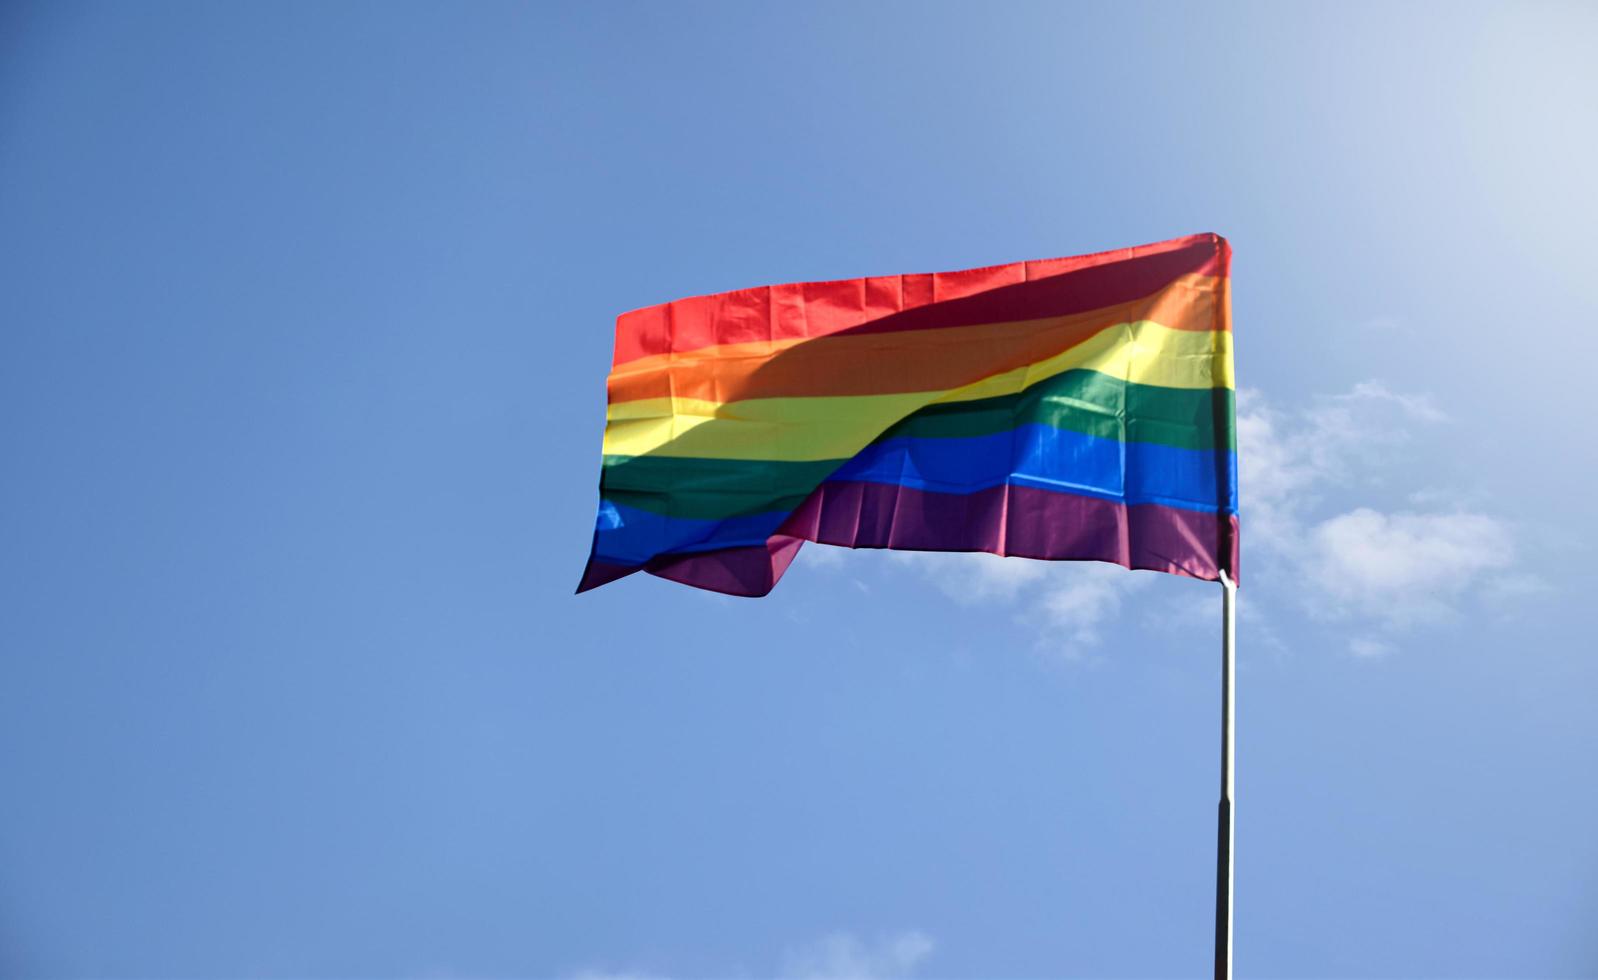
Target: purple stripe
[600, 572]
[1026, 522]
[751, 571]
[748, 571]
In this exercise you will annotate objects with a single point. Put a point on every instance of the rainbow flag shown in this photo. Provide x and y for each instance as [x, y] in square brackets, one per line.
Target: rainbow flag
[1076, 408]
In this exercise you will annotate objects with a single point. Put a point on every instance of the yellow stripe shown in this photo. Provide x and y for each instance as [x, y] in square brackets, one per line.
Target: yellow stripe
[837, 427]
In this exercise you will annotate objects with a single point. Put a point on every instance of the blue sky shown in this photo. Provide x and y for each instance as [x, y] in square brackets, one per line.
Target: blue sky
[307, 311]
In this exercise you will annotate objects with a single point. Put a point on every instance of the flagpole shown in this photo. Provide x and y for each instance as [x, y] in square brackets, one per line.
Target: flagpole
[1223, 850]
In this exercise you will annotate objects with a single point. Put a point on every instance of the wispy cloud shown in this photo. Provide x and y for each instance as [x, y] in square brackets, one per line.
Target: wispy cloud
[1065, 602]
[1289, 460]
[1369, 647]
[842, 956]
[1381, 571]
[972, 578]
[1402, 568]
[835, 956]
[822, 556]
[1082, 597]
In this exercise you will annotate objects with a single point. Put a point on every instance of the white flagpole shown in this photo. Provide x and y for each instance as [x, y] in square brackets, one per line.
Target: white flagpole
[1223, 852]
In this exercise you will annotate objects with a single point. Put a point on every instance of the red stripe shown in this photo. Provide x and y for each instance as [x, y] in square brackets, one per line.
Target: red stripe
[996, 294]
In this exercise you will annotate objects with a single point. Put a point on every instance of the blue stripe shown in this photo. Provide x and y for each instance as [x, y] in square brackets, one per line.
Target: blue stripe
[1054, 459]
[628, 536]
[1031, 455]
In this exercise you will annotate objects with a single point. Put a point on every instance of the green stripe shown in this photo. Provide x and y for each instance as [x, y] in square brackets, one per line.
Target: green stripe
[1078, 401]
[1091, 403]
[707, 489]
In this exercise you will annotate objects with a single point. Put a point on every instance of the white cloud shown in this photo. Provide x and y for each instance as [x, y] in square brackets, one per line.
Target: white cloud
[1082, 597]
[1403, 568]
[1196, 612]
[836, 956]
[822, 555]
[970, 577]
[1383, 570]
[1369, 647]
[1066, 602]
[1415, 406]
[1287, 461]
[841, 956]
[1502, 591]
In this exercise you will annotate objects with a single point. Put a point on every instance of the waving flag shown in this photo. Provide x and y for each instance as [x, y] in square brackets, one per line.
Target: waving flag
[1077, 408]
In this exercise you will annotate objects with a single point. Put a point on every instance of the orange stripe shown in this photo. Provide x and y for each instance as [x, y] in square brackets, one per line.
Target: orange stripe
[886, 363]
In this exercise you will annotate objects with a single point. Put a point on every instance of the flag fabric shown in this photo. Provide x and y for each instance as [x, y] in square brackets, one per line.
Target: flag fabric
[1076, 408]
